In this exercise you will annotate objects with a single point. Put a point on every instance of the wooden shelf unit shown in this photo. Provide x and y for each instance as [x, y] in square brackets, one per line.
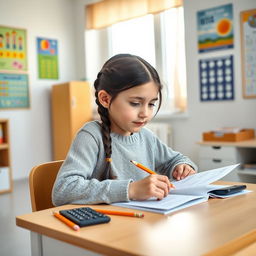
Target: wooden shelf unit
[5, 160]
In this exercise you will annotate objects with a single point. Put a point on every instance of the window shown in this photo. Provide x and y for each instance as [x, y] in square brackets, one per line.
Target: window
[159, 39]
[134, 36]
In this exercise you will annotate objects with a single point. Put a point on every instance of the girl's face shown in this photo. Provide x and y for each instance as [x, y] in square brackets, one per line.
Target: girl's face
[133, 108]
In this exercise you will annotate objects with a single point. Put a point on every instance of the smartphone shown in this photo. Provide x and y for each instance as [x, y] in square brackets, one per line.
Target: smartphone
[228, 190]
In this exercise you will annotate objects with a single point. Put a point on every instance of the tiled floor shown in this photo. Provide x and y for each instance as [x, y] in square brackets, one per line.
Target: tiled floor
[14, 241]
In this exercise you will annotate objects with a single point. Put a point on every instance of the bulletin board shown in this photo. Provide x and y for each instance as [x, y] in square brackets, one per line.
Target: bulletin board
[248, 52]
[14, 91]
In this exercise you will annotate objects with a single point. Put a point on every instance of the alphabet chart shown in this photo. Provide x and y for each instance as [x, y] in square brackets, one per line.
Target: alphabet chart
[216, 78]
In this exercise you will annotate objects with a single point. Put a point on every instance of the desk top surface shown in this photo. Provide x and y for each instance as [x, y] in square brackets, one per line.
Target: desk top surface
[192, 231]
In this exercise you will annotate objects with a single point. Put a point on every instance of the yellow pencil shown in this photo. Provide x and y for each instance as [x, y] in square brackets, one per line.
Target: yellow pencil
[144, 168]
[121, 213]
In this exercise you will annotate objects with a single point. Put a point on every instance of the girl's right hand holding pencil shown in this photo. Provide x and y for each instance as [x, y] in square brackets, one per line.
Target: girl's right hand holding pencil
[152, 186]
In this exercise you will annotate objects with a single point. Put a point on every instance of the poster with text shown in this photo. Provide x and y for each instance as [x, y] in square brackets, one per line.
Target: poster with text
[248, 50]
[215, 28]
[13, 49]
[47, 58]
[14, 91]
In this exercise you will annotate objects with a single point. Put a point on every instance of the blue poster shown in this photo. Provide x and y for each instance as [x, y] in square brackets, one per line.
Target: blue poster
[215, 28]
[216, 77]
[14, 91]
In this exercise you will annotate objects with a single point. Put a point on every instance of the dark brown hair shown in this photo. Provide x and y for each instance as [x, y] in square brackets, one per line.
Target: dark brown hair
[119, 73]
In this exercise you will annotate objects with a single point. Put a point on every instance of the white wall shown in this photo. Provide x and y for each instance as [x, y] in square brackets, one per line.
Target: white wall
[64, 20]
[204, 116]
[30, 129]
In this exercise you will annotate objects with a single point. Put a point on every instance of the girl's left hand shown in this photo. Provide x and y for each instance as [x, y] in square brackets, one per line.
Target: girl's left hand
[181, 171]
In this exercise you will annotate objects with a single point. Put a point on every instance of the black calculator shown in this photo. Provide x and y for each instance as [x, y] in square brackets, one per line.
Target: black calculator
[85, 216]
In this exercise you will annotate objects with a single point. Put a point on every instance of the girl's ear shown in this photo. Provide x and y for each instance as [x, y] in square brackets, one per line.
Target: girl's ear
[104, 98]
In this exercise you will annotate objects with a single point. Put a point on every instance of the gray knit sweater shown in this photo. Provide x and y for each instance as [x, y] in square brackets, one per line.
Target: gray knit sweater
[78, 179]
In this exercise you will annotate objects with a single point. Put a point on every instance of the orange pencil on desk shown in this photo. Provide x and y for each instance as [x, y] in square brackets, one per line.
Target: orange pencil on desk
[66, 221]
[121, 213]
[144, 168]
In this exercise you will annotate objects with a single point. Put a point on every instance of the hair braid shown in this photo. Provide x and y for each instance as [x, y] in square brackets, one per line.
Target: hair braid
[105, 127]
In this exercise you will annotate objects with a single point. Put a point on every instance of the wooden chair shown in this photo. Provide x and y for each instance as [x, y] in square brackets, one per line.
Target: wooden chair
[41, 180]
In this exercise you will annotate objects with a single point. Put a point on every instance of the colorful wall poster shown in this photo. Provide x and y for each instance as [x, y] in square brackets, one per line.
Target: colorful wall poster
[216, 78]
[14, 91]
[215, 28]
[47, 58]
[13, 49]
[248, 50]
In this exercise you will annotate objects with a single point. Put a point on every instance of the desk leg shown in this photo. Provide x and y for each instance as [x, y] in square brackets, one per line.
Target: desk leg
[36, 244]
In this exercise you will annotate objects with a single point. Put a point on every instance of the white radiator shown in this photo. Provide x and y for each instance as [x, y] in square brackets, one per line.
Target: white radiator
[163, 131]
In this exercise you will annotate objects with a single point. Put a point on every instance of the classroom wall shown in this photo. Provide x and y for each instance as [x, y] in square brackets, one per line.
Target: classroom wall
[204, 116]
[64, 20]
[30, 129]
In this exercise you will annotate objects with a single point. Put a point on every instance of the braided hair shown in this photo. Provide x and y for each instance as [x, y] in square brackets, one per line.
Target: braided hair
[119, 73]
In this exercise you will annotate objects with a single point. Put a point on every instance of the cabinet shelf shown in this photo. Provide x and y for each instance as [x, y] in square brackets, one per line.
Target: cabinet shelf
[4, 146]
[5, 163]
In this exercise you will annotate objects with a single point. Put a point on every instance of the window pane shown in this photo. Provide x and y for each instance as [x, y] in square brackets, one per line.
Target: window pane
[134, 36]
[174, 68]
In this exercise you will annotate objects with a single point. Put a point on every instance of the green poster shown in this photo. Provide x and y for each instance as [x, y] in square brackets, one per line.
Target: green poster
[47, 58]
[13, 50]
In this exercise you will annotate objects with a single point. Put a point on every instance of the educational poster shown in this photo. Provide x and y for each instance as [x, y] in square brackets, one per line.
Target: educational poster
[14, 91]
[248, 50]
[13, 50]
[47, 58]
[216, 79]
[215, 28]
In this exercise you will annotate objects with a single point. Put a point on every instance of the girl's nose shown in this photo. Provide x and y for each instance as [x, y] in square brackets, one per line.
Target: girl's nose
[143, 112]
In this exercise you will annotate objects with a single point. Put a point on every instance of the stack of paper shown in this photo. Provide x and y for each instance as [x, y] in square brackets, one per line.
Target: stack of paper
[189, 191]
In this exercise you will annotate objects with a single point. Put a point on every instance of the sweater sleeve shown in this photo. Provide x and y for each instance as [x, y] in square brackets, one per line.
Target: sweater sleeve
[167, 159]
[78, 181]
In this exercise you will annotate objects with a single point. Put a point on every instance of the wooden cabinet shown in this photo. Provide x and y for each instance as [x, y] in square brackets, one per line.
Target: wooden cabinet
[5, 162]
[71, 108]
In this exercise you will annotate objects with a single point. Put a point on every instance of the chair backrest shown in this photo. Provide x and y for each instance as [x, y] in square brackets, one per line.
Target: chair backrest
[41, 180]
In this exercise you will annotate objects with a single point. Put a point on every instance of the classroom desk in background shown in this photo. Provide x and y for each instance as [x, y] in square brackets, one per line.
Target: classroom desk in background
[193, 231]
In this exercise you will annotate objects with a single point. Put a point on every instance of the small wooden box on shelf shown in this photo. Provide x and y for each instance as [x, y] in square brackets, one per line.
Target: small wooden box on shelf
[5, 162]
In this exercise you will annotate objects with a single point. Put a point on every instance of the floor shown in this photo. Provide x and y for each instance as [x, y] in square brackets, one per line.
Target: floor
[14, 241]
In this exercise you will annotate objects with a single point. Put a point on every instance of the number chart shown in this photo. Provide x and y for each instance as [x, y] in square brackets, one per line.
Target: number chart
[216, 79]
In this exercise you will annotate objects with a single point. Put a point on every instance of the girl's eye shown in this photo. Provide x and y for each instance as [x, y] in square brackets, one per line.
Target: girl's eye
[152, 105]
[134, 104]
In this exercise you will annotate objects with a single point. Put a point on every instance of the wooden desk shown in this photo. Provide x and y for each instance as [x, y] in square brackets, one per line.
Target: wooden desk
[193, 231]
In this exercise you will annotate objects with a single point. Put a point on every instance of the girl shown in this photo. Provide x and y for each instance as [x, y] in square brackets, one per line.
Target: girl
[98, 168]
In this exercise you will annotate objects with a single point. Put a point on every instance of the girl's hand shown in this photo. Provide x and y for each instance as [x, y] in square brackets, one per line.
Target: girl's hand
[181, 171]
[152, 186]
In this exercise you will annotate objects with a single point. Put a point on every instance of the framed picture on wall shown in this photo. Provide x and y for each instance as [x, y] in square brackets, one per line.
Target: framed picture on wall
[248, 52]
